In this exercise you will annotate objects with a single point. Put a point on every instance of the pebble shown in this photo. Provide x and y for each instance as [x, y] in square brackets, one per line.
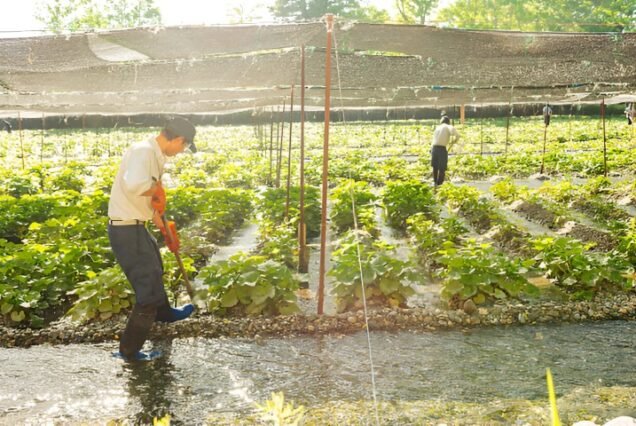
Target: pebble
[621, 306]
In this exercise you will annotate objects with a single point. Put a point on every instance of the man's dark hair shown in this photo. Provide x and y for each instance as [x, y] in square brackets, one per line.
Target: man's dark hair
[445, 120]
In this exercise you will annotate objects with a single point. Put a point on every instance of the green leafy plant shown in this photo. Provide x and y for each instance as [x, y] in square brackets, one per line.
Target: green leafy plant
[429, 236]
[271, 205]
[403, 199]
[101, 296]
[572, 267]
[279, 243]
[251, 285]
[344, 196]
[279, 413]
[387, 281]
[478, 271]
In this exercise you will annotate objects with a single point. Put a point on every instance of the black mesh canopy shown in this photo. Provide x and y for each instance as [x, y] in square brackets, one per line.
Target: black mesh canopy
[231, 68]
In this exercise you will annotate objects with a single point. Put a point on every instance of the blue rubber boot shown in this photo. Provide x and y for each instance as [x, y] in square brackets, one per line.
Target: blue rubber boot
[139, 356]
[181, 313]
[167, 314]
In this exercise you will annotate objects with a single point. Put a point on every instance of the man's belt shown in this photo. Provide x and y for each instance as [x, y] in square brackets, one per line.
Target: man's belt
[122, 222]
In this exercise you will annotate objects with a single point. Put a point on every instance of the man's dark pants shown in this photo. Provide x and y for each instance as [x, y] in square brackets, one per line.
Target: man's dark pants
[138, 255]
[439, 161]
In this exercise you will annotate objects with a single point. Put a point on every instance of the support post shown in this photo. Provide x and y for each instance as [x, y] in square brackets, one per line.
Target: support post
[508, 127]
[325, 169]
[279, 156]
[42, 140]
[302, 230]
[604, 138]
[271, 145]
[462, 114]
[545, 138]
[21, 138]
[289, 151]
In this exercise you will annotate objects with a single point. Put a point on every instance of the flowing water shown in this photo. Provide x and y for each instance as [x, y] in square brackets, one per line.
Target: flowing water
[196, 377]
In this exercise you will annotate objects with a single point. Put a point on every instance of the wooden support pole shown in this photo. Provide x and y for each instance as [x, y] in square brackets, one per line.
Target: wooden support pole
[462, 114]
[271, 145]
[42, 140]
[303, 265]
[289, 151]
[21, 138]
[604, 138]
[508, 126]
[325, 170]
[481, 132]
[279, 157]
[545, 138]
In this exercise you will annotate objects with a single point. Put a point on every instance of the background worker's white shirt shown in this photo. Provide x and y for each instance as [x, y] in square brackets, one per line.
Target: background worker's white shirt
[443, 133]
[141, 163]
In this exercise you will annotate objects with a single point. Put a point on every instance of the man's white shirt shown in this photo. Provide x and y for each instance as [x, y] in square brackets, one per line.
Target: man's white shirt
[141, 163]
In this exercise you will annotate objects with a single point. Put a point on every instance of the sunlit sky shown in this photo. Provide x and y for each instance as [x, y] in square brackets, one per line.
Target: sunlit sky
[19, 15]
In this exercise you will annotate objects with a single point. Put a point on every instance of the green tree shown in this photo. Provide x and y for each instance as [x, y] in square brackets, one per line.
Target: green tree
[302, 10]
[415, 11]
[81, 15]
[542, 15]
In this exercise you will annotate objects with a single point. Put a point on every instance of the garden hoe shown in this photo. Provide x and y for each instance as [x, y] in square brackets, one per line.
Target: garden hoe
[170, 236]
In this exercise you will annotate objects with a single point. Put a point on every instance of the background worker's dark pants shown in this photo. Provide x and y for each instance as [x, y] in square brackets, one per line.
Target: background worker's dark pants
[138, 255]
[439, 161]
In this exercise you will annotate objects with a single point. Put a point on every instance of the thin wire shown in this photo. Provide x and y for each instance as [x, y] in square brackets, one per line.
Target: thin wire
[355, 227]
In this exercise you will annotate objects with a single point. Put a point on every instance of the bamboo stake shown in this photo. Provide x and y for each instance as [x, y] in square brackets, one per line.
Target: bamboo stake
[508, 127]
[545, 138]
[325, 170]
[21, 140]
[604, 138]
[302, 230]
[291, 121]
[42, 141]
[271, 145]
[279, 157]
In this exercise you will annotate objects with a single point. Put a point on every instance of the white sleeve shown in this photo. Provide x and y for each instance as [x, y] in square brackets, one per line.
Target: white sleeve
[138, 175]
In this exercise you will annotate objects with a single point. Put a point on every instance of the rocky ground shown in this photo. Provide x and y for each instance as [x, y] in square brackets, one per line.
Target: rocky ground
[606, 307]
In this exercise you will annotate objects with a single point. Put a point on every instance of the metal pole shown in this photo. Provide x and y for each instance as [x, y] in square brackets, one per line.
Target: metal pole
[508, 126]
[279, 156]
[42, 141]
[291, 121]
[271, 145]
[545, 138]
[481, 131]
[21, 142]
[302, 231]
[325, 169]
[604, 138]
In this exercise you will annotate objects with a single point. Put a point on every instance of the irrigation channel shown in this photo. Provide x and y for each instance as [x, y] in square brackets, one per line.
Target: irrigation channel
[197, 377]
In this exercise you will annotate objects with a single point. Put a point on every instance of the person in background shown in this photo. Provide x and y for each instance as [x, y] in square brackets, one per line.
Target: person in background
[630, 113]
[138, 197]
[444, 137]
[547, 113]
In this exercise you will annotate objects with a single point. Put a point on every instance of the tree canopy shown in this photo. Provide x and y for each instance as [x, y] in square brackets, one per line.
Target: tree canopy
[542, 15]
[303, 10]
[81, 15]
[415, 11]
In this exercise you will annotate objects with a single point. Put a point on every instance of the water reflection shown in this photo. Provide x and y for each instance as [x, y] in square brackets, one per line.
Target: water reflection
[195, 377]
[151, 387]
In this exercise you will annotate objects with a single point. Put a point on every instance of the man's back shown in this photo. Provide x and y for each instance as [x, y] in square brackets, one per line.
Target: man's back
[442, 134]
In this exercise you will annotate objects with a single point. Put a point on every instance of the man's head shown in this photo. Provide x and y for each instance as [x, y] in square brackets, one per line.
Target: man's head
[179, 134]
[445, 120]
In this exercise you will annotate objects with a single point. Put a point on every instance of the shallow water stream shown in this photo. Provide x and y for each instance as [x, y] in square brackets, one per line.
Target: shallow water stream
[196, 377]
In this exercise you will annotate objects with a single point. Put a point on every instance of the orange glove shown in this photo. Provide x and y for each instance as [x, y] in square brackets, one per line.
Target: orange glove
[158, 200]
[171, 237]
